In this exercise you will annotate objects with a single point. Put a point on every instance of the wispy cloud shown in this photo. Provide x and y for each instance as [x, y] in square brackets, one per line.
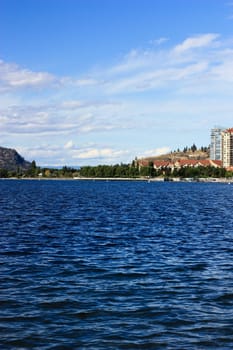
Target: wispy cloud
[99, 153]
[196, 42]
[69, 145]
[187, 86]
[151, 69]
[155, 152]
[201, 57]
[71, 154]
[67, 117]
[159, 41]
[139, 70]
[13, 76]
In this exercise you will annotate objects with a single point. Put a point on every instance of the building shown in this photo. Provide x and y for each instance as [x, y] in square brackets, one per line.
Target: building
[227, 148]
[216, 144]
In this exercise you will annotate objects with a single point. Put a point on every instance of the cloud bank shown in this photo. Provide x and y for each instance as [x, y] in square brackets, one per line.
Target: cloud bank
[151, 98]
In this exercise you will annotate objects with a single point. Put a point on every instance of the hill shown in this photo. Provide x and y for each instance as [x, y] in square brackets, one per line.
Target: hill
[11, 160]
[189, 154]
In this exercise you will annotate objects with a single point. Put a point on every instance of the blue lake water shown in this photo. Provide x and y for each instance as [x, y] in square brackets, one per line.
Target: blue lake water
[115, 265]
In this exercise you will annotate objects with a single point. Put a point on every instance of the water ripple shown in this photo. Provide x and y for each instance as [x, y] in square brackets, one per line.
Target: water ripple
[115, 265]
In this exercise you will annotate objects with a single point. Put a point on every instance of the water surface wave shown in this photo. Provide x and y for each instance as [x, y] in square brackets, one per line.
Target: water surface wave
[116, 265]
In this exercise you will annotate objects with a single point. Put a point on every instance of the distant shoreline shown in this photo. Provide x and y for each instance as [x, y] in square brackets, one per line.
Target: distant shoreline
[140, 179]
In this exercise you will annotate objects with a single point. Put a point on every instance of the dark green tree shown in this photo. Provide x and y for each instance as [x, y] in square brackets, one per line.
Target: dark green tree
[193, 147]
[4, 173]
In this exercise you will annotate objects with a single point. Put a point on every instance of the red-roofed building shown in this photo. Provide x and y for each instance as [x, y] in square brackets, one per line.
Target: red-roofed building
[142, 163]
[216, 163]
[204, 162]
[180, 163]
[160, 164]
[183, 163]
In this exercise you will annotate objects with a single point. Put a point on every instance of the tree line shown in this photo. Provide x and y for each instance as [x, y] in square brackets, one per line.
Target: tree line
[35, 171]
[193, 149]
[118, 171]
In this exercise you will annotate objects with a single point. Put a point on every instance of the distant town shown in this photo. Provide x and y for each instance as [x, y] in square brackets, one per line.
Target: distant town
[218, 155]
[212, 162]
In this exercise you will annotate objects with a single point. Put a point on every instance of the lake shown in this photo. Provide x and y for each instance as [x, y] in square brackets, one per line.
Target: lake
[116, 265]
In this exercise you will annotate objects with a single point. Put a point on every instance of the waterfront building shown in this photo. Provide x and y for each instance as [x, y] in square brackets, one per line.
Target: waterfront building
[216, 143]
[227, 147]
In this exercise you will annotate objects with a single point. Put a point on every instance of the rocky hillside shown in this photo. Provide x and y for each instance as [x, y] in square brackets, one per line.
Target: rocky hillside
[12, 160]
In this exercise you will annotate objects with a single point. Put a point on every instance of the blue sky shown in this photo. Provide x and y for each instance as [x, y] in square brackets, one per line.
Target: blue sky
[102, 81]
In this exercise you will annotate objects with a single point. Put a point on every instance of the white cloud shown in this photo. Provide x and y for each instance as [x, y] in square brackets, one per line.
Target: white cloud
[152, 69]
[69, 145]
[155, 78]
[65, 118]
[155, 152]
[13, 76]
[44, 154]
[195, 42]
[55, 155]
[98, 153]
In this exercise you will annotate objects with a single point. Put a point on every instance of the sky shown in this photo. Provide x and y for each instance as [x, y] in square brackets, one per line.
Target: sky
[87, 82]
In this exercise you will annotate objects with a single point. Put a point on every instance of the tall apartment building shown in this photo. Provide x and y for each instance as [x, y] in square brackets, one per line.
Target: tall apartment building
[227, 147]
[216, 143]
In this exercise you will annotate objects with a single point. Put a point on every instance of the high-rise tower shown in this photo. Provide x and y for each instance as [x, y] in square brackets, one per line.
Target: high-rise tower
[227, 147]
[216, 143]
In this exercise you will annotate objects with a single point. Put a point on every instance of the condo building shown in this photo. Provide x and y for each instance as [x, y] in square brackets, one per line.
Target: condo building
[227, 148]
[216, 143]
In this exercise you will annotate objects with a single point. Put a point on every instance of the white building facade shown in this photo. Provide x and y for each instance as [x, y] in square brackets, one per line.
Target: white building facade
[227, 148]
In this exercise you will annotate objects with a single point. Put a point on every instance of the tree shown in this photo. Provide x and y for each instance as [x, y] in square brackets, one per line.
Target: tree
[33, 170]
[3, 173]
[193, 147]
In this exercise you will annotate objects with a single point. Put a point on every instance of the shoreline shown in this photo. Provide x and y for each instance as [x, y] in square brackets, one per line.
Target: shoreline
[145, 179]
